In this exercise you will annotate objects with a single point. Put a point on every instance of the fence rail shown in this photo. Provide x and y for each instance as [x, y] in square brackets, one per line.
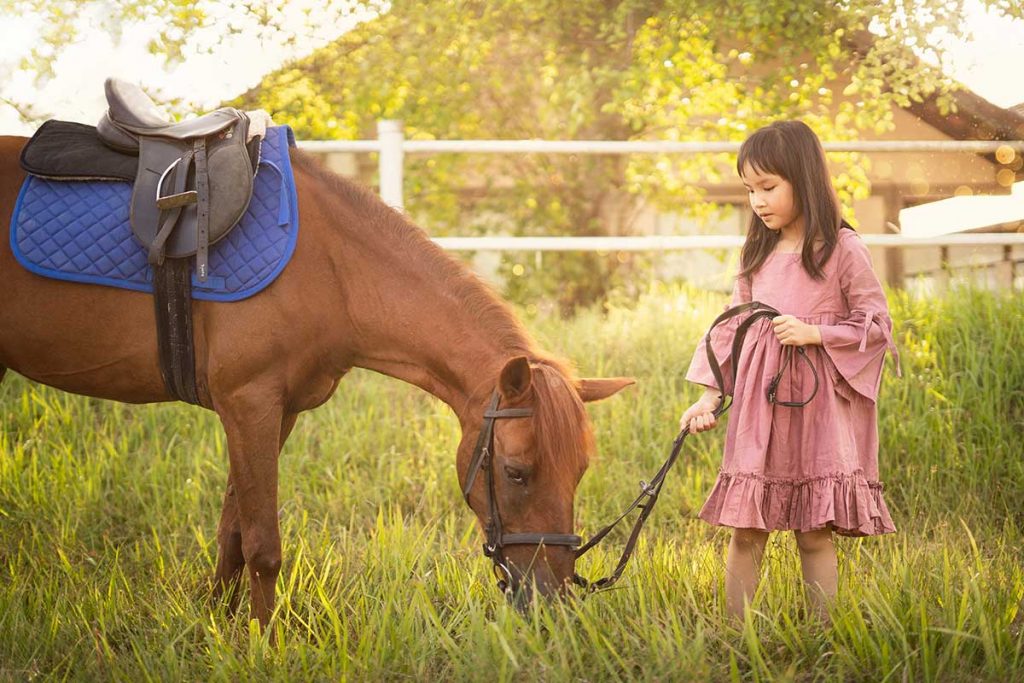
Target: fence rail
[687, 242]
[392, 147]
[642, 146]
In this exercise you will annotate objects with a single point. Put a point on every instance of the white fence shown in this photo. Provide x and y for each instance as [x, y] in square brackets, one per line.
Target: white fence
[392, 147]
[684, 242]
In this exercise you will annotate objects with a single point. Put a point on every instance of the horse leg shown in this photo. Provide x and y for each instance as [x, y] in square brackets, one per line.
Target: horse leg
[229, 552]
[230, 559]
[253, 424]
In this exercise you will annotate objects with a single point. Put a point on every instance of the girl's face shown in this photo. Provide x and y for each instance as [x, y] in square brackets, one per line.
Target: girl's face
[771, 198]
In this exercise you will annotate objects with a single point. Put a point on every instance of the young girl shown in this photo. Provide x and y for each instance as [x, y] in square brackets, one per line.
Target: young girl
[811, 469]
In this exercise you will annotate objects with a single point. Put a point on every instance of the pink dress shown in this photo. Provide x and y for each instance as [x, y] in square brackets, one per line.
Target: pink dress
[813, 467]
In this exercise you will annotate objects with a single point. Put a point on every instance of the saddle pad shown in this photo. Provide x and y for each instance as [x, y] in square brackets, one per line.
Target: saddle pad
[79, 231]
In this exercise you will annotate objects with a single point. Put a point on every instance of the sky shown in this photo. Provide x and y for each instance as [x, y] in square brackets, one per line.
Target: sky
[989, 64]
[75, 93]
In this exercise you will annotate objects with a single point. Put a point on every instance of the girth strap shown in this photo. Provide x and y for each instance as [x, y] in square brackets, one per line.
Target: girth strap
[172, 296]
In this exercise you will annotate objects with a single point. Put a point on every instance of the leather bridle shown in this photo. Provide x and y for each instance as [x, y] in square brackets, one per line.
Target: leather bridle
[496, 538]
[483, 459]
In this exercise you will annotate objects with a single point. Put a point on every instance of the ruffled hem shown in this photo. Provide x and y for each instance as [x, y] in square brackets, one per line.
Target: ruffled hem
[848, 504]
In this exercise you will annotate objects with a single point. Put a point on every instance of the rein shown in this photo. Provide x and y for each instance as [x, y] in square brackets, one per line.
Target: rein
[497, 539]
[649, 492]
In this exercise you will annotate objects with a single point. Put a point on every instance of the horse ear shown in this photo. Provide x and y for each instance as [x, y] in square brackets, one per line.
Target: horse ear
[597, 389]
[516, 378]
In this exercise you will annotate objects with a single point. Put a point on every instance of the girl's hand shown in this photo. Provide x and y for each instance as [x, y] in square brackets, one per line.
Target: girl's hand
[791, 331]
[700, 416]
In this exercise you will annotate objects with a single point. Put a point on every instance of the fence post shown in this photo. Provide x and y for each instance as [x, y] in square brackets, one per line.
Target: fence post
[1004, 269]
[942, 276]
[391, 137]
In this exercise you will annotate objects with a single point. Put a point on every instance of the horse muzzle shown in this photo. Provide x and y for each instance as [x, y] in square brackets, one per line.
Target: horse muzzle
[526, 572]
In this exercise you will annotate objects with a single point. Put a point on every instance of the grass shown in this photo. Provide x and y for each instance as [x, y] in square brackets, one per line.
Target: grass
[108, 515]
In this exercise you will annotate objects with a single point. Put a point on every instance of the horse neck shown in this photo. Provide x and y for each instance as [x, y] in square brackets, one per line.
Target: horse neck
[416, 320]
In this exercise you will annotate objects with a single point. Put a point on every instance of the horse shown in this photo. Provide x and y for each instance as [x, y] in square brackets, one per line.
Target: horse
[364, 288]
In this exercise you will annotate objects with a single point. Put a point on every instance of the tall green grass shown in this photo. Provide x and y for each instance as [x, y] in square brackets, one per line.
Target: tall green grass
[108, 516]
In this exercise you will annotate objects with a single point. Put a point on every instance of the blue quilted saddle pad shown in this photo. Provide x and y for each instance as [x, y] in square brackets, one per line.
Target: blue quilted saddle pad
[79, 231]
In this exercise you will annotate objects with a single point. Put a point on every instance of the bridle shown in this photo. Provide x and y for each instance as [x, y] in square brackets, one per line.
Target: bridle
[483, 459]
[496, 538]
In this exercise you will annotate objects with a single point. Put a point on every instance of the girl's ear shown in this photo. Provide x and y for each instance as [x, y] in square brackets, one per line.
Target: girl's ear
[597, 389]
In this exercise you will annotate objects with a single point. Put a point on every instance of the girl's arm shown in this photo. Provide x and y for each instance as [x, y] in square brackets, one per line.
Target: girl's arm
[856, 346]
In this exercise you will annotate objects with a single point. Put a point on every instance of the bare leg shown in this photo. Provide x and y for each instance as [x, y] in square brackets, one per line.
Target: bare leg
[230, 559]
[820, 568]
[742, 568]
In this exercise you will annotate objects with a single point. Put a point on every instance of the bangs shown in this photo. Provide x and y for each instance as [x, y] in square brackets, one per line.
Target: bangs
[765, 152]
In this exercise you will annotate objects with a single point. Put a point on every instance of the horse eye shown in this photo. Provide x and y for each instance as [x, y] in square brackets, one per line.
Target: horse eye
[515, 476]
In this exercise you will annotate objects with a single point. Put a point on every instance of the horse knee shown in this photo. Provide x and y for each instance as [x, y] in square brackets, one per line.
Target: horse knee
[814, 541]
[263, 557]
[266, 565]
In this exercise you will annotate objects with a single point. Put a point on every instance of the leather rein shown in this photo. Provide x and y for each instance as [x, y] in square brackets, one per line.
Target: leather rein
[482, 460]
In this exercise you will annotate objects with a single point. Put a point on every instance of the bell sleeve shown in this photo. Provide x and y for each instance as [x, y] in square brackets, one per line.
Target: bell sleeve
[856, 345]
[699, 371]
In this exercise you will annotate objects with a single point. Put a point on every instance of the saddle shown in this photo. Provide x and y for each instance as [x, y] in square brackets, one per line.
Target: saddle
[194, 178]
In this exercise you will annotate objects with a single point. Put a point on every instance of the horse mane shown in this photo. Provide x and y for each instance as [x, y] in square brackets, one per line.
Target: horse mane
[563, 432]
[563, 428]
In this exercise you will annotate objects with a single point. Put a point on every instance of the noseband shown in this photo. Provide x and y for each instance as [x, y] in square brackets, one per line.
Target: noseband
[649, 492]
[497, 539]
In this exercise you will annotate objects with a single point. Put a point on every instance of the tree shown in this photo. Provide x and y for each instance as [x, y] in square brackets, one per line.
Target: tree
[598, 69]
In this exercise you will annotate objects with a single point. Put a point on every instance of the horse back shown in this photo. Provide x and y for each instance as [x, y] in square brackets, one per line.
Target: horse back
[101, 341]
[86, 339]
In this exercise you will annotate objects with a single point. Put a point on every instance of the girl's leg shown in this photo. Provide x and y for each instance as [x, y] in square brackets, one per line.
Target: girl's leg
[820, 568]
[742, 568]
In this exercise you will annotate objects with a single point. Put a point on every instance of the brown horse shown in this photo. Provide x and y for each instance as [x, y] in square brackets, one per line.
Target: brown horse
[365, 288]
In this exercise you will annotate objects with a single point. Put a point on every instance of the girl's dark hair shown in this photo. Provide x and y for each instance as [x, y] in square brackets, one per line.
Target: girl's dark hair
[791, 150]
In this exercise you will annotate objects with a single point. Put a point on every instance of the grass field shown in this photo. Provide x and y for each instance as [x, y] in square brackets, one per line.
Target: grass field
[108, 515]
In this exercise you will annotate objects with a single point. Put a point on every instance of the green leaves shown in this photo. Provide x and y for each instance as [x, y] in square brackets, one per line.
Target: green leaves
[697, 70]
[632, 69]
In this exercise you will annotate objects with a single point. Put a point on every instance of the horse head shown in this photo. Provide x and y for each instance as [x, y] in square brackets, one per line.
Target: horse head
[520, 463]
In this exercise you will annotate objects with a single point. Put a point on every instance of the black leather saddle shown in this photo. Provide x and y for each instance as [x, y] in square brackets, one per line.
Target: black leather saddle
[194, 179]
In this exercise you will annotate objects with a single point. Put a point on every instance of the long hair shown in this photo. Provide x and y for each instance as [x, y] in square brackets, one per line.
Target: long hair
[791, 150]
